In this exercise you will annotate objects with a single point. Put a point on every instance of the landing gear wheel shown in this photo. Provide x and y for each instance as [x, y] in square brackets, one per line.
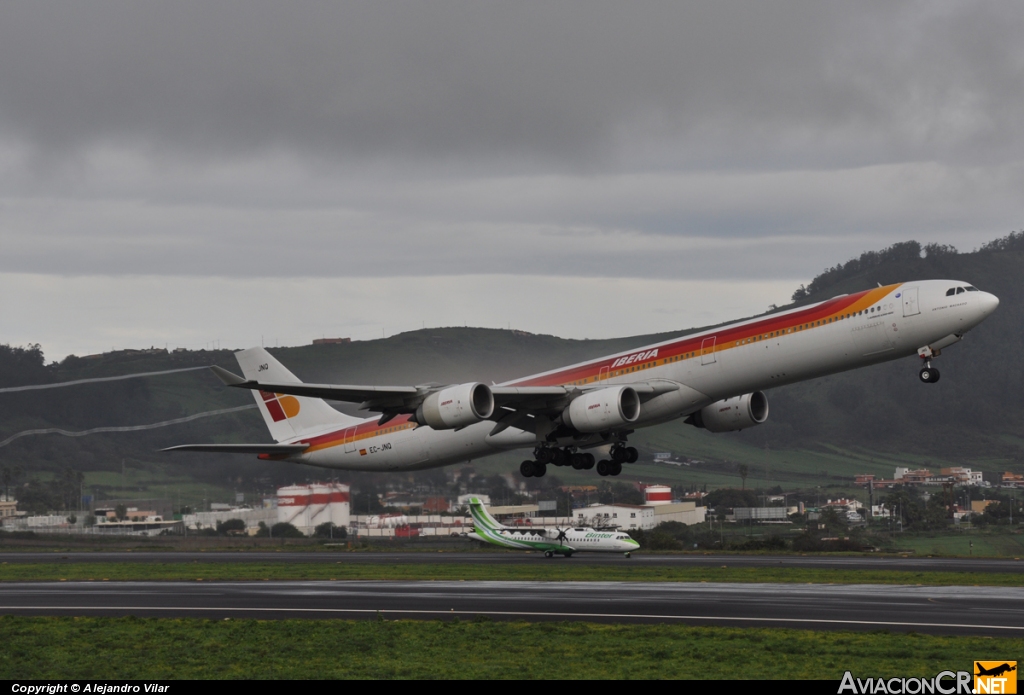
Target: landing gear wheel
[561, 457]
[544, 454]
[539, 469]
[929, 375]
[628, 555]
[616, 468]
[632, 454]
[526, 469]
[589, 461]
[579, 461]
[548, 553]
[618, 454]
[604, 468]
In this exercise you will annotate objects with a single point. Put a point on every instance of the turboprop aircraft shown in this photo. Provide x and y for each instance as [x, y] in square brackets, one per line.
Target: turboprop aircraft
[713, 379]
[553, 541]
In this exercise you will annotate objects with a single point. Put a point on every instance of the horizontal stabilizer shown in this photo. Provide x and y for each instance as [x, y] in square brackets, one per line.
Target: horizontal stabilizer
[242, 448]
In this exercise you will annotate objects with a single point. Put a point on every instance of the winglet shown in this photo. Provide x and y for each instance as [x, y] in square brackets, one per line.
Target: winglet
[227, 377]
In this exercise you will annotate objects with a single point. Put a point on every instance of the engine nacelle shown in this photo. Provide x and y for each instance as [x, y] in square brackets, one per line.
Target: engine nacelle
[603, 409]
[737, 413]
[456, 406]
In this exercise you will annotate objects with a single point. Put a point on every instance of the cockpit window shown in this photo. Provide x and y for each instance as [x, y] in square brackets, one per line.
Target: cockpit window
[951, 291]
[969, 288]
[959, 290]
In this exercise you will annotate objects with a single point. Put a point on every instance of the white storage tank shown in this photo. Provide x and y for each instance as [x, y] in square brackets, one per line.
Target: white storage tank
[307, 506]
[658, 494]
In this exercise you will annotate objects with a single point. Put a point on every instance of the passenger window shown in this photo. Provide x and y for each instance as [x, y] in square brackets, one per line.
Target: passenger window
[951, 291]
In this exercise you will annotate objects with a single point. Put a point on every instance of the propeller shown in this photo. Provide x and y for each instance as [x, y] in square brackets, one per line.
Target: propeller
[561, 536]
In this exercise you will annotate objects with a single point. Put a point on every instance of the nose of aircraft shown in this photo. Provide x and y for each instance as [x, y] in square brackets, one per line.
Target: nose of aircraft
[987, 303]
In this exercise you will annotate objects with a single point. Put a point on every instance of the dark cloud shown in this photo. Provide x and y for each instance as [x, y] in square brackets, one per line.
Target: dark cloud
[679, 85]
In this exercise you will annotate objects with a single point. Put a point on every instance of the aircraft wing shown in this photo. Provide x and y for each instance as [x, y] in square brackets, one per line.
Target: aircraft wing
[514, 406]
[330, 392]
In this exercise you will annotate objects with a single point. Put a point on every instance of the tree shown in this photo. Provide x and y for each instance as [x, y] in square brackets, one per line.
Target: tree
[831, 519]
[744, 471]
[285, 530]
[225, 527]
[121, 512]
[69, 487]
[621, 493]
[10, 475]
[279, 530]
[730, 497]
[367, 501]
[330, 530]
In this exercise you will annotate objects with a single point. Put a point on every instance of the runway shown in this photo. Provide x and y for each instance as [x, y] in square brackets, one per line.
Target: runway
[521, 558]
[994, 611]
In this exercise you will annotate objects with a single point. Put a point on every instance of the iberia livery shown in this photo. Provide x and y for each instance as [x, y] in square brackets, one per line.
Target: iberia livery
[550, 541]
[714, 379]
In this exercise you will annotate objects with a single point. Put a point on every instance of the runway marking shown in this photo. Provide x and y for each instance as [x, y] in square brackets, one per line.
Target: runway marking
[532, 614]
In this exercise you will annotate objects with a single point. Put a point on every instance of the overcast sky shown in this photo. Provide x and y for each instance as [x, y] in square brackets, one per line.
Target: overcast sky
[181, 173]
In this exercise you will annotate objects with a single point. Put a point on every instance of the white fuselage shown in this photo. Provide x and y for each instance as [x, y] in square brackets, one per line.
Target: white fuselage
[843, 333]
[561, 541]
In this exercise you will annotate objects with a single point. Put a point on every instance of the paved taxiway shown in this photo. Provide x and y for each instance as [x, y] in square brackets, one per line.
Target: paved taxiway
[996, 611]
[518, 558]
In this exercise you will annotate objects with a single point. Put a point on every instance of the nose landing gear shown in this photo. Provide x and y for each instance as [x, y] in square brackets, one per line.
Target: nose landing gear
[928, 374]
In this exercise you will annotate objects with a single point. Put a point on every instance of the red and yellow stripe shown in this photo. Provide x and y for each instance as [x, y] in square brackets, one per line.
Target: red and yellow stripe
[726, 338]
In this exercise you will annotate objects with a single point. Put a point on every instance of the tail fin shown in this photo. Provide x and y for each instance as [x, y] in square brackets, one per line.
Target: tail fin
[287, 417]
[481, 517]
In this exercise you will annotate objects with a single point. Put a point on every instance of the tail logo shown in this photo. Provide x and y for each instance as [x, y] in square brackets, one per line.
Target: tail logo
[279, 406]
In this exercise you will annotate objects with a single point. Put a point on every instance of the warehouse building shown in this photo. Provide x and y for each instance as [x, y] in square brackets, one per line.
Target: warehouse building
[633, 516]
[307, 506]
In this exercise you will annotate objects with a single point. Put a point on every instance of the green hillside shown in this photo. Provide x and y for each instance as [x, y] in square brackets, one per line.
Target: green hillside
[819, 433]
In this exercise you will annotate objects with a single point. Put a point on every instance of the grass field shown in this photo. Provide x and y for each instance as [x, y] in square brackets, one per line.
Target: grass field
[151, 649]
[542, 571]
[969, 544]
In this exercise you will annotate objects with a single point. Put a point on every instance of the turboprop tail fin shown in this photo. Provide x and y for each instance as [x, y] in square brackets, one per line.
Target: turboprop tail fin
[481, 517]
[287, 417]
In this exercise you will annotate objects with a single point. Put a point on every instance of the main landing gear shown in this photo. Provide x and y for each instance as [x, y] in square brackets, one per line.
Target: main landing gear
[556, 457]
[538, 467]
[928, 374]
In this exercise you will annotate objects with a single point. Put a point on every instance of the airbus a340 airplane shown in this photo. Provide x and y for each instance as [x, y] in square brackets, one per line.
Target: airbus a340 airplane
[713, 379]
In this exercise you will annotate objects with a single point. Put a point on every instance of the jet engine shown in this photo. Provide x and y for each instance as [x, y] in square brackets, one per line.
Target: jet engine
[456, 406]
[732, 414]
[603, 409]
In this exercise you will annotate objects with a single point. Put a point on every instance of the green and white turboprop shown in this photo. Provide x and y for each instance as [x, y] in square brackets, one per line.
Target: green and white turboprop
[550, 541]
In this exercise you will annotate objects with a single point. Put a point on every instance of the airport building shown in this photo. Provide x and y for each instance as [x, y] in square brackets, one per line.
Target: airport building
[8, 508]
[760, 514]
[633, 516]
[250, 516]
[307, 506]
